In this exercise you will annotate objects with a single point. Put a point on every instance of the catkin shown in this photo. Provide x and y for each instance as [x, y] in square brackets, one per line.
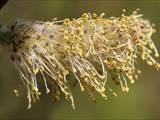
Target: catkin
[90, 47]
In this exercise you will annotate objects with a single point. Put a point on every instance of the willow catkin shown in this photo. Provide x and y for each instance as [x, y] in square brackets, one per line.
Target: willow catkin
[90, 47]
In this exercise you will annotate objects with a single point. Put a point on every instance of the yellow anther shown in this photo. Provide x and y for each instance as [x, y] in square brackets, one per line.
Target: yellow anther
[29, 61]
[80, 31]
[150, 63]
[94, 15]
[74, 70]
[139, 71]
[36, 70]
[67, 21]
[35, 89]
[66, 37]
[114, 94]
[61, 30]
[47, 90]
[102, 15]
[127, 89]
[123, 10]
[156, 54]
[132, 81]
[16, 92]
[123, 88]
[85, 16]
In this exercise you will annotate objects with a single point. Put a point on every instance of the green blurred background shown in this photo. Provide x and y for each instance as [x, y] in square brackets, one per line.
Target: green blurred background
[143, 99]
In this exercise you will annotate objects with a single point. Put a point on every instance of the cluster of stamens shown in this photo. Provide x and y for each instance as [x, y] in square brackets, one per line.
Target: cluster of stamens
[90, 47]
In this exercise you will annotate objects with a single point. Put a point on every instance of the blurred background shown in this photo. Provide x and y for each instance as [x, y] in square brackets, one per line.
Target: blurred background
[142, 101]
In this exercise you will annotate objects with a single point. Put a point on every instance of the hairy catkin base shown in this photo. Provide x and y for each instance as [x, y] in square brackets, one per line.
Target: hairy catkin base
[59, 48]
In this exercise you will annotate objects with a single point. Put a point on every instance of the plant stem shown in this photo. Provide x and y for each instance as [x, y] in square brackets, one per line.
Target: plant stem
[2, 3]
[4, 34]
